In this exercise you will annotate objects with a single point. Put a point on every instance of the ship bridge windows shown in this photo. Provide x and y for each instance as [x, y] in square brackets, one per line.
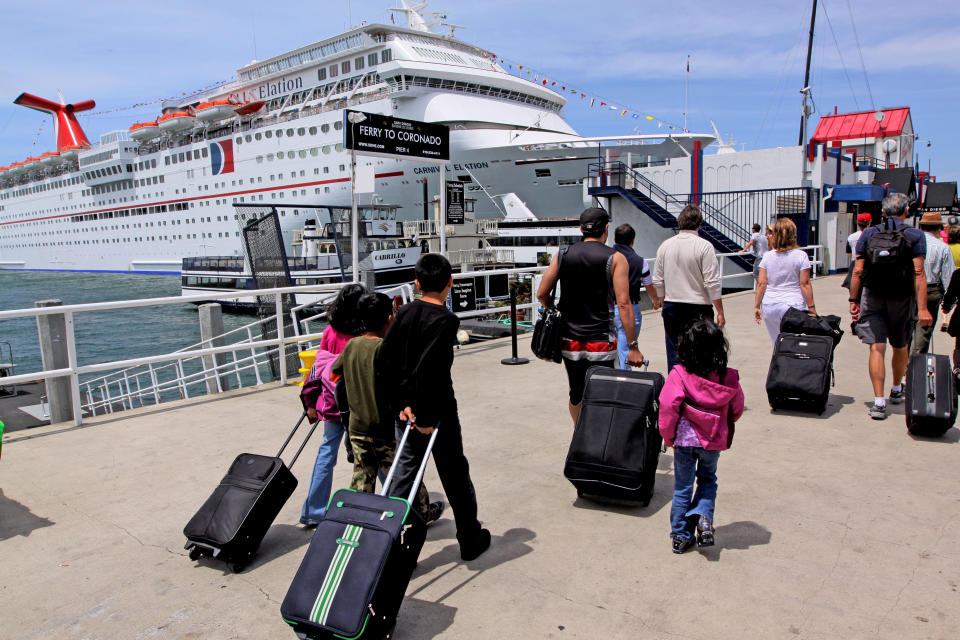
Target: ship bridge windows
[345, 67]
[334, 71]
[386, 55]
[372, 59]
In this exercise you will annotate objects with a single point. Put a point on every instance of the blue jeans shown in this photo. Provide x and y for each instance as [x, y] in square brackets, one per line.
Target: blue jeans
[322, 480]
[691, 463]
[622, 348]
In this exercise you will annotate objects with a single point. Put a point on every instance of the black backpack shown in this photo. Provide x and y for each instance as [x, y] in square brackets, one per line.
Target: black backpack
[888, 262]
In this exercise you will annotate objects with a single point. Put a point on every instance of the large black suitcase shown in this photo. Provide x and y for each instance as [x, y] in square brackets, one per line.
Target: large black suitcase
[616, 442]
[353, 577]
[232, 522]
[801, 371]
[931, 403]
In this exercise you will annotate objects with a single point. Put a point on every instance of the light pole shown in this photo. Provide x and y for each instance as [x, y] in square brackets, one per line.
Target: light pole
[353, 118]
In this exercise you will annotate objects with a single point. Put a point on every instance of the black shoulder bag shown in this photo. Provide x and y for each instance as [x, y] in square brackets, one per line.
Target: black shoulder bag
[546, 342]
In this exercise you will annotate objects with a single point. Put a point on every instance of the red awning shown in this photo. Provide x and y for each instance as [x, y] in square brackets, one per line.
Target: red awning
[848, 126]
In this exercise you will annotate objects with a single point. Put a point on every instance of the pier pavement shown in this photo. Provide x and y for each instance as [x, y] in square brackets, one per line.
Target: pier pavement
[831, 526]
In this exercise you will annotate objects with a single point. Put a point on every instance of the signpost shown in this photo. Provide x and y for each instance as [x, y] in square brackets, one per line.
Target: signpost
[374, 134]
[454, 202]
[463, 295]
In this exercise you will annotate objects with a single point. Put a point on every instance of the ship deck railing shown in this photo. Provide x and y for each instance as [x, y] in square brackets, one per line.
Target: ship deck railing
[238, 356]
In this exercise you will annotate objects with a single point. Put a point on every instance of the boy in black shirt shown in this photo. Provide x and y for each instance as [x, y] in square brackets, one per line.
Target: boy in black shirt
[418, 354]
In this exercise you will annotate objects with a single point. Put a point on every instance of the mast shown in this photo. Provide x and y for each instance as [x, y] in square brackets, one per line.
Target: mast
[806, 76]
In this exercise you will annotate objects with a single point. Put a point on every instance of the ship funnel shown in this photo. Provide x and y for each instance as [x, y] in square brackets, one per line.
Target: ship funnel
[69, 132]
[515, 207]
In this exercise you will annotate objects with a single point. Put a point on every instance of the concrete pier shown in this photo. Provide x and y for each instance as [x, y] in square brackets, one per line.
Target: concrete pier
[52, 332]
[831, 526]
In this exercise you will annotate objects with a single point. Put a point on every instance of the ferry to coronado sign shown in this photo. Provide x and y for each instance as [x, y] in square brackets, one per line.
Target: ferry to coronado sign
[371, 133]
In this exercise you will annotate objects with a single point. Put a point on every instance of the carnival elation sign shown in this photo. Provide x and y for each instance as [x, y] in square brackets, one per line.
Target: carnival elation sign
[372, 133]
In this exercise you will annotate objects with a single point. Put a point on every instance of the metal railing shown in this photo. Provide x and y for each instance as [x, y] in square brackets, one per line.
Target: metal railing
[814, 250]
[461, 257]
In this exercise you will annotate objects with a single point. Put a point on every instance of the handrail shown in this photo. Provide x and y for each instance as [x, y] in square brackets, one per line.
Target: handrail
[816, 260]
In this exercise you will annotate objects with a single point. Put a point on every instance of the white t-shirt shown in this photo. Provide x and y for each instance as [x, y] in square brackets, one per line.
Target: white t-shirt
[783, 275]
[759, 246]
[852, 242]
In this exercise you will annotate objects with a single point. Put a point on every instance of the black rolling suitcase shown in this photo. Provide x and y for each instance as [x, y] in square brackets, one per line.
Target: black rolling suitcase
[355, 573]
[931, 397]
[616, 442]
[801, 371]
[232, 522]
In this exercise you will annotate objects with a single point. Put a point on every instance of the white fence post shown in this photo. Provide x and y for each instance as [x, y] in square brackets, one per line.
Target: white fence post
[72, 364]
[282, 348]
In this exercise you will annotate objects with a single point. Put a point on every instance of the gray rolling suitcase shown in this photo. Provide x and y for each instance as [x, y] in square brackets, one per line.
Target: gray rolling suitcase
[931, 397]
[355, 573]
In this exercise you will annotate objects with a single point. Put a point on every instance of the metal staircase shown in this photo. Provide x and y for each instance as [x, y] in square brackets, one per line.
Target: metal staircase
[616, 178]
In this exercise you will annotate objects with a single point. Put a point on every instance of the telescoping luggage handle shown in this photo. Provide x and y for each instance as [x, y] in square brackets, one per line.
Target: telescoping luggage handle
[313, 428]
[423, 464]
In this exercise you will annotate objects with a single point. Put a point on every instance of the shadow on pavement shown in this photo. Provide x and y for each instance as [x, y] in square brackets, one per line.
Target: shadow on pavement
[280, 540]
[834, 405]
[18, 520]
[504, 548]
[737, 535]
[952, 436]
[422, 619]
[662, 494]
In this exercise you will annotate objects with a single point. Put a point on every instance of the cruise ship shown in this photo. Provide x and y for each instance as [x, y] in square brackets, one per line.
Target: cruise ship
[143, 198]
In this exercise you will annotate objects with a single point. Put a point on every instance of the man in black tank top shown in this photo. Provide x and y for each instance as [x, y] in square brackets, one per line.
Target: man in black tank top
[592, 276]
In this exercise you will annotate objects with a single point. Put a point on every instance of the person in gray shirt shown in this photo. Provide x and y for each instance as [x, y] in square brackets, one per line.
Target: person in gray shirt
[938, 267]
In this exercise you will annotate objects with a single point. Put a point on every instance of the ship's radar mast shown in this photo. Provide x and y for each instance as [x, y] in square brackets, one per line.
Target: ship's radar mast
[416, 17]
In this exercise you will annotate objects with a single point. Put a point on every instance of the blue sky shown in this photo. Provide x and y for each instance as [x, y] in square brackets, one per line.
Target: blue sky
[746, 59]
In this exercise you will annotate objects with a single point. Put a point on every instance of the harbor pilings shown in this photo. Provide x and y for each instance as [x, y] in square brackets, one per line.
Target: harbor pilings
[211, 334]
[52, 334]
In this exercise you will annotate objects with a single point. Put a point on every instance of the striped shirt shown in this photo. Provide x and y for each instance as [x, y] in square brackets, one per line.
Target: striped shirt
[938, 264]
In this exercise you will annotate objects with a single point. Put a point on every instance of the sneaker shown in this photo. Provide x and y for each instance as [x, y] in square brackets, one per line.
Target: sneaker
[896, 397]
[704, 532]
[878, 412]
[434, 511]
[681, 544]
[309, 524]
[478, 546]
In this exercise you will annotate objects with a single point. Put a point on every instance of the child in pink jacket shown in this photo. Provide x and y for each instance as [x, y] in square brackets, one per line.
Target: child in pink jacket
[699, 404]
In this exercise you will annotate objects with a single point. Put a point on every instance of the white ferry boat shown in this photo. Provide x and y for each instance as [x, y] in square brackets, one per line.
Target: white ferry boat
[144, 198]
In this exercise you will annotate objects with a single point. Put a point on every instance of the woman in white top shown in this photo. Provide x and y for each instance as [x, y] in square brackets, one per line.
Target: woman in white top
[784, 279]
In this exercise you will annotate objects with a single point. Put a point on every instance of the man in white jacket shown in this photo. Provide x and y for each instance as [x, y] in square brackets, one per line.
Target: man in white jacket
[687, 279]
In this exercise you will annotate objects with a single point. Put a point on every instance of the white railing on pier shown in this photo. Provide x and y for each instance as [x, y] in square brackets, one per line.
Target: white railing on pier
[462, 257]
[816, 261]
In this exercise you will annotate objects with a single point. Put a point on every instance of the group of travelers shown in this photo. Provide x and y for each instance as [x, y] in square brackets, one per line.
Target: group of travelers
[369, 334]
[600, 299]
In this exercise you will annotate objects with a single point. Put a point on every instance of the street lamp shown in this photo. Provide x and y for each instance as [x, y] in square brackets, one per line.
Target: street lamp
[354, 117]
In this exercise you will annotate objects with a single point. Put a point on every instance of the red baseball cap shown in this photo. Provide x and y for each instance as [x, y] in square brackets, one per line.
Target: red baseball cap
[864, 217]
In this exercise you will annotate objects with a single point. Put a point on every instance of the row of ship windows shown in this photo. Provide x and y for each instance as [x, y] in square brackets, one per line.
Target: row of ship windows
[65, 243]
[40, 188]
[344, 67]
[293, 60]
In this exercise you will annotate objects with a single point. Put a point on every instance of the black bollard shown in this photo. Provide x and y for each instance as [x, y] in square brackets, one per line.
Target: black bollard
[513, 331]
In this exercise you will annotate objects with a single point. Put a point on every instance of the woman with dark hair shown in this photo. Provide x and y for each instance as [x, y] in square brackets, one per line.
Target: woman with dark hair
[318, 397]
[699, 404]
[784, 279]
[953, 240]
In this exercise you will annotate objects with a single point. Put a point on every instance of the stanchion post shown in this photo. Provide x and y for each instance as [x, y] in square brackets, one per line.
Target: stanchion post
[513, 329]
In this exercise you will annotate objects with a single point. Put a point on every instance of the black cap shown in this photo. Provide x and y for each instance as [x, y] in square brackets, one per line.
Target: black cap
[594, 219]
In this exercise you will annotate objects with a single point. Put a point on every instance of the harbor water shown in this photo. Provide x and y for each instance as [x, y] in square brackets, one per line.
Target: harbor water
[101, 336]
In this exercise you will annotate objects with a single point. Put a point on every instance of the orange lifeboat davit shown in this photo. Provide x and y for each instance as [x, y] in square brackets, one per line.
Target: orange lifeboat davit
[248, 108]
[50, 158]
[143, 131]
[176, 121]
[215, 110]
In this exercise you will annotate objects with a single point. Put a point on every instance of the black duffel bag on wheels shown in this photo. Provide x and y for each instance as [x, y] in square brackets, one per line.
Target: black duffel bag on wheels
[802, 322]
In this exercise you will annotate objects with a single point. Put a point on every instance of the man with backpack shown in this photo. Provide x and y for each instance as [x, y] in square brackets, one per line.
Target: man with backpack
[887, 290]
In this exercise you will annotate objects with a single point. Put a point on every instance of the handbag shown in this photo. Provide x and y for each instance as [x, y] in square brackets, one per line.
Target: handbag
[801, 322]
[547, 339]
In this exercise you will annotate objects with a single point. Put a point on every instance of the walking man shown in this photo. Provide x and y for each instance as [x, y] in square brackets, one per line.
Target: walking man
[687, 280]
[938, 267]
[863, 221]
[640, 277]
[889, 270]
[757, 246]
[592, 276]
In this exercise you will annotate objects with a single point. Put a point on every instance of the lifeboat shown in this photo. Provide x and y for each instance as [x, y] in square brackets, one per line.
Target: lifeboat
[31, 163]
[176, 121]
[50, 158]
[70, 152]
[215, 110]
[247, 108]
[15, 168]
[142, 131]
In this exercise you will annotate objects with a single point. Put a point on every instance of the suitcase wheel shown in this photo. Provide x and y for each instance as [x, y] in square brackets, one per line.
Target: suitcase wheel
[579, 493]
[195, 553]
[238, 567]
